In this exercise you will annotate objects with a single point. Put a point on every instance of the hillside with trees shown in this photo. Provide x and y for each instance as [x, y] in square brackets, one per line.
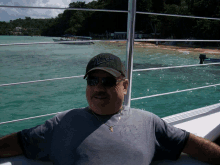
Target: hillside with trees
[87, 22]
[25, 26]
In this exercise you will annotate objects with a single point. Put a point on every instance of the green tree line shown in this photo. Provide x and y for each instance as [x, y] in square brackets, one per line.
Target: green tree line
[87, 22]
[27, 24]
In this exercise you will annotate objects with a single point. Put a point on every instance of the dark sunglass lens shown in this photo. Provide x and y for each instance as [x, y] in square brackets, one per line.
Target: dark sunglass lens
[109, 81]
[92, 81]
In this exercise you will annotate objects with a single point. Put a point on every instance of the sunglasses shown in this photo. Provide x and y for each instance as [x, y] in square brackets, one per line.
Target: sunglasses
[106, 81]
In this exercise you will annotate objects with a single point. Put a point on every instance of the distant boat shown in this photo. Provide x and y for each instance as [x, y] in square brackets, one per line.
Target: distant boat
[78, 40]
[204, 60]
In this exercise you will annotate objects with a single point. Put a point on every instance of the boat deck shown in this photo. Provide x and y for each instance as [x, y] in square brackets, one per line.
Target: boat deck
[195, 121]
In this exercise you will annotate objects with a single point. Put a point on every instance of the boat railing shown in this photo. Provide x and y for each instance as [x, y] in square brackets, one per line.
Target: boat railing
[34, 43]
[135, 70]
[106, 10]
[130, 43]
[138, 98]
[118, 40]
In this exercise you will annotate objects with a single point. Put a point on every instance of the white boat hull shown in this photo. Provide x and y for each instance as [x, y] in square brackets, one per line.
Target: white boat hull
[73, 42]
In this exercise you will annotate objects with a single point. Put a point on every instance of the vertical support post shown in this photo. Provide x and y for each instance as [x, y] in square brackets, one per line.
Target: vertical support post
[129, 49]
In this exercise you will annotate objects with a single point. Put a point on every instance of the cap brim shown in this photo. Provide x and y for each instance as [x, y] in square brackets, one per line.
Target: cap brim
[113, 72]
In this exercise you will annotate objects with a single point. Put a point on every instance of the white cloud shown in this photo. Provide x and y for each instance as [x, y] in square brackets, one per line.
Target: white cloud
[15, 13]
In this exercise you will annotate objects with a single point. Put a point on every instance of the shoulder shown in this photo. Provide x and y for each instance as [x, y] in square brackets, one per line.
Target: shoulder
[143, 113]
[70, 113]
[64, 116]
[139, 111]
[151, 119]
[49, 125]
[140, 115]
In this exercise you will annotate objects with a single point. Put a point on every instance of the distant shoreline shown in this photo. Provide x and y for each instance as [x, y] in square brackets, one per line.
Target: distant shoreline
[212, 52]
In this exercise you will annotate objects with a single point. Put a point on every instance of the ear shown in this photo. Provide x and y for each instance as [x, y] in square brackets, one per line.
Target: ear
[125, 84]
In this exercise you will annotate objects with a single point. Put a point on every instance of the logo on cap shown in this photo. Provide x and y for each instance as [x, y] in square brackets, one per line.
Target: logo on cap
[100, 60]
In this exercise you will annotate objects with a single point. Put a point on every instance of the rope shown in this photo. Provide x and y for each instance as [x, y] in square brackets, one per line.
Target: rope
[64, 8]
[171, 67]
[106, 10]
[27, 82]
[175, 15]
[12, 121]
[162, 94]
[136, 70]
[63, 42]
[176, 40]
[136, 40]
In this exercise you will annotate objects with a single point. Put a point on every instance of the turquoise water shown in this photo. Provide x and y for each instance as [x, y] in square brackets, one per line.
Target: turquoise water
[38, 62]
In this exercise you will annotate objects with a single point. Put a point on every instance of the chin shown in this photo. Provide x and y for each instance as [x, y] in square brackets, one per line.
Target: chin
[100, 103]
[105, 107]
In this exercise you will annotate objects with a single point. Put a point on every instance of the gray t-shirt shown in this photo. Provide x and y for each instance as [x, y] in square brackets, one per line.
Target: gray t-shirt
[78, 137]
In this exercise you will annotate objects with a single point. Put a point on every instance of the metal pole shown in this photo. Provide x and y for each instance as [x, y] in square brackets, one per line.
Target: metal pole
[129, 49]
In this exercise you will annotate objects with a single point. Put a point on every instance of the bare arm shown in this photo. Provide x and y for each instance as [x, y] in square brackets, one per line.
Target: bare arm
[9, 146]
[202, 149]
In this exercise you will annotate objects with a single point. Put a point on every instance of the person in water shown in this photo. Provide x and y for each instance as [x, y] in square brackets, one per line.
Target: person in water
[106, 132]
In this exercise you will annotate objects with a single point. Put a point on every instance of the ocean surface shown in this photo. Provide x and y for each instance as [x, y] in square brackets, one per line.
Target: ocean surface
[47, 61]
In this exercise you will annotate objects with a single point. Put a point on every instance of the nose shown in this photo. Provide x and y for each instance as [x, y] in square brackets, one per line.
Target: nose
[99, 87]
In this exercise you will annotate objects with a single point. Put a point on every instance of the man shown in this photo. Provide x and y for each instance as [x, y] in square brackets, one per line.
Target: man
[106, 132]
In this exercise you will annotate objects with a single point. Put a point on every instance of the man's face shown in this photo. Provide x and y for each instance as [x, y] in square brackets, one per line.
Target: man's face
[106, 100]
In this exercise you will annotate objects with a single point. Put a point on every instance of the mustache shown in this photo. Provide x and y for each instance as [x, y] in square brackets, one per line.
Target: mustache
[99, 94]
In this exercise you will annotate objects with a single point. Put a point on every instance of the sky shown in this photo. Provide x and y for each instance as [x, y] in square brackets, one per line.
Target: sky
[7, 14]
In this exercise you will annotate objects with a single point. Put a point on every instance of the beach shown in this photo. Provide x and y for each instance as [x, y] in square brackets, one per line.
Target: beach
[195, 51]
